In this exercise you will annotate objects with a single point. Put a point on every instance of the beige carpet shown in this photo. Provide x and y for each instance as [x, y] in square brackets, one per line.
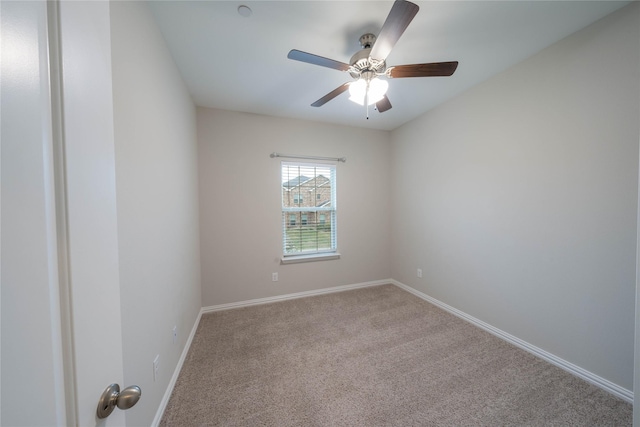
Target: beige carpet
[372, 357]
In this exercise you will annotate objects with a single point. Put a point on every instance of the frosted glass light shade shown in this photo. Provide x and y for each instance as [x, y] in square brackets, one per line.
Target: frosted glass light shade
[377, 89]
[357, 91]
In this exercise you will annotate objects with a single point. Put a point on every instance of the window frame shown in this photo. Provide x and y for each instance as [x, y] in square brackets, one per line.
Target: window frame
[330, 212]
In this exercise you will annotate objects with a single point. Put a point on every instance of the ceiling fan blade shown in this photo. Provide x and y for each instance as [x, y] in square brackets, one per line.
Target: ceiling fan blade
[433, 69]
[399, 18]
[310, 58]
[328, 97]
[383, 105]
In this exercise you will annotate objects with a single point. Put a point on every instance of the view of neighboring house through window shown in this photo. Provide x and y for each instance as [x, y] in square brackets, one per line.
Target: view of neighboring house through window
[308, 208]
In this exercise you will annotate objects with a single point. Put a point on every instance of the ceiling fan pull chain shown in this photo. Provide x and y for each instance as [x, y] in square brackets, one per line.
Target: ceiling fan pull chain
[366, 99]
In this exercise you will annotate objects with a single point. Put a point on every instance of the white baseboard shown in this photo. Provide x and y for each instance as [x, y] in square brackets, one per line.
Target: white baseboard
[176, 373]
[590, 377]
[268, 300]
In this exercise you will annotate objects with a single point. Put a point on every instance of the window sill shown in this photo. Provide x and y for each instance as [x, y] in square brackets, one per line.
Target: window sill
[309, 258]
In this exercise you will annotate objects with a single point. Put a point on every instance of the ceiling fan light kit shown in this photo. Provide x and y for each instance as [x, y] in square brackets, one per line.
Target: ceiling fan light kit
[368, 65]
[367, 92]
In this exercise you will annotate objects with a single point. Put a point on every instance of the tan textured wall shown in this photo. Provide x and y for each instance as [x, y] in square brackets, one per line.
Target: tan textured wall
[518, 199]
[240, 202]
[157, 198]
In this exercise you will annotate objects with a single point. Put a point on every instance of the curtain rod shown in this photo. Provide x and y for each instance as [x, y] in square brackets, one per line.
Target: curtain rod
[337, 159]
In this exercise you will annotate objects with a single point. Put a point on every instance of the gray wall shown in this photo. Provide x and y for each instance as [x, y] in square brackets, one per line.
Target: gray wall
[240, 216]
[518, 199]
[157, 198]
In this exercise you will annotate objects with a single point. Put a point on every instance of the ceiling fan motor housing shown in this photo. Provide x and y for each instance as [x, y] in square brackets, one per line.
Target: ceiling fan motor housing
[361, 62]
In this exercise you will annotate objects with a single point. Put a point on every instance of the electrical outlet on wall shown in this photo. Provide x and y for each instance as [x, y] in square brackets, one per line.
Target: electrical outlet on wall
[175, 334]
[419, 273]
[274, 277]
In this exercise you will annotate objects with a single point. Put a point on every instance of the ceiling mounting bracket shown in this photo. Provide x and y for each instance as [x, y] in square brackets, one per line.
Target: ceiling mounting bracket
[367, 40]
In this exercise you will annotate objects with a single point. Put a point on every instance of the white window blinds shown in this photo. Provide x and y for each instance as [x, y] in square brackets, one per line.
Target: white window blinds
[308, 208]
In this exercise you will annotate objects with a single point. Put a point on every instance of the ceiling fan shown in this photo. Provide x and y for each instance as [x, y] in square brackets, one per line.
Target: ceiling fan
[368, 64]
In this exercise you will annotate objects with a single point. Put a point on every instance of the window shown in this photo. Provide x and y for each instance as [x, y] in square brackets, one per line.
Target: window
[309, 224]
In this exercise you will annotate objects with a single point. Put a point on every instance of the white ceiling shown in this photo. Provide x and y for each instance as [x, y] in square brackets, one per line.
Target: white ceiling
[236, 63]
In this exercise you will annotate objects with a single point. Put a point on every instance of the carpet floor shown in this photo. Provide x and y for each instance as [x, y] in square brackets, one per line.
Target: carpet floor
[375, 356]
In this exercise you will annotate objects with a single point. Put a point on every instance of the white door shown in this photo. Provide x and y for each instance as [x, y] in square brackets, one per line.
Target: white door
[61, 323]
[91, 200]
